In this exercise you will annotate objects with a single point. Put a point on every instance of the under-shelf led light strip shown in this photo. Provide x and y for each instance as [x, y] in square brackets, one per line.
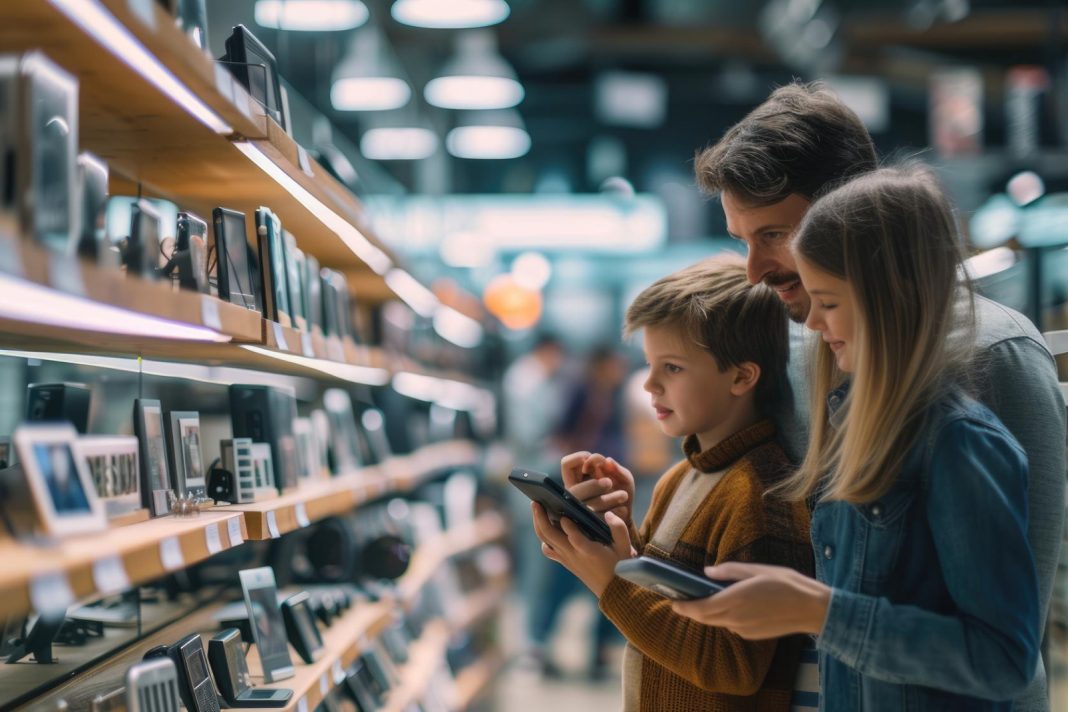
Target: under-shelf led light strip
[366, 375]
[220, 375]
[375, 258]
[26, 301]
[102, 26]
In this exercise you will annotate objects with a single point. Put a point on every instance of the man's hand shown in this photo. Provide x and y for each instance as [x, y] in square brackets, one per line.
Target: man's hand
[594, 564]
[765, 602]
[599, 482]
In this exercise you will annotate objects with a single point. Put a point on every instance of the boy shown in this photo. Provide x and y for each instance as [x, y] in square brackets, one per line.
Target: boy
[717, 350]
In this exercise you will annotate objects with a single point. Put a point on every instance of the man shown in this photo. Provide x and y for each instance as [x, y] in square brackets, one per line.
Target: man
[767, 170]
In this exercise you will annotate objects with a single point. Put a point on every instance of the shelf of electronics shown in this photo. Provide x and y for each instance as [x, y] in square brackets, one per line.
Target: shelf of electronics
[48, 576]
[181, 125]
[323, 643]
[487, 528]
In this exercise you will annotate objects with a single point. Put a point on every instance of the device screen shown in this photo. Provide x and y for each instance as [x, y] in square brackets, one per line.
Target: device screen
[195, 664]
[239, 674]
[270, 631]
[239, 279]
[53, 159]
[303, 615]
[56, 463]
[155, 452]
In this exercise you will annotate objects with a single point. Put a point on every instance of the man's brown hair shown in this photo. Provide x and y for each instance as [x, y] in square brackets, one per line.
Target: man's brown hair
[714, 306]
[802, 139]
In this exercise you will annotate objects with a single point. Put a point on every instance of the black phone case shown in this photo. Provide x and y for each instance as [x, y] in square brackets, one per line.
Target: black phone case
[666, 579]
[558, 502]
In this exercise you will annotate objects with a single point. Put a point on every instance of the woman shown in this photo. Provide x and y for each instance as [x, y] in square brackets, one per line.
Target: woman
[925, 595]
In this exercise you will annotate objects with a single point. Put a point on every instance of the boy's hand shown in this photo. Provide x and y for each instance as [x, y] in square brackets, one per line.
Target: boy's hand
[594, 564]
[599, 482]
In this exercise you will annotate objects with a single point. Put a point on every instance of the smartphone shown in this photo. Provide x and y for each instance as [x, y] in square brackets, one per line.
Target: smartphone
[668, 580]
[558, 503]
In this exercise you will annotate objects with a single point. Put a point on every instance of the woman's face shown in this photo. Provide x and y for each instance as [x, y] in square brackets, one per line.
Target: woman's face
[831, 312]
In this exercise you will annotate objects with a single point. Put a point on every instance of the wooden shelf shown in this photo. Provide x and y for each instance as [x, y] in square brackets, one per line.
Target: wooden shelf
[149, 138]
[485, 529]
[343, 641]
[48, 577]
[425, 657]
[474, 680]
[480, 604]
[319, 499]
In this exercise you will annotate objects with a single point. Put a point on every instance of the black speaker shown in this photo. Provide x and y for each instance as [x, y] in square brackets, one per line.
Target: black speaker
[266, 415]
[47, 402]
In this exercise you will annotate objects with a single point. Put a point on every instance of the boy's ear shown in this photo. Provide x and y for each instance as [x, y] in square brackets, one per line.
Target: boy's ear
[746, 375]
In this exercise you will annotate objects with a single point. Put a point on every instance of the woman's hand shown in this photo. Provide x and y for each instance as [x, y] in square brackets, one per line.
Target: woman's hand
[594, 564]
[764, 602]
[599, 482]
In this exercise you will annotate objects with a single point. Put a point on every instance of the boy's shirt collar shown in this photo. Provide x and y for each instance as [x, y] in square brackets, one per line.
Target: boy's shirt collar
[729, 449]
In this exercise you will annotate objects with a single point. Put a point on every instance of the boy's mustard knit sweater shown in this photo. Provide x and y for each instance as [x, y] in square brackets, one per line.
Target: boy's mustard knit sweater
[709, 509]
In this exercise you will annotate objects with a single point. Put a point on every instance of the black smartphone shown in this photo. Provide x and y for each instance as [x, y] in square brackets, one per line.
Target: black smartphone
[558, 503]
[668, 580]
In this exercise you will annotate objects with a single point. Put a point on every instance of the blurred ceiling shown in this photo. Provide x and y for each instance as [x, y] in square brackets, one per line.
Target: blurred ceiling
[716, 58]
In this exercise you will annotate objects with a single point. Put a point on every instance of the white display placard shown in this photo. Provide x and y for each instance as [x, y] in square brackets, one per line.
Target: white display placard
[209, 313]
[170, 554]
[109, 575]
[272, 525]
[51, 593]
[211, 536]
[233, 528]
[280, 336]
[302, 515]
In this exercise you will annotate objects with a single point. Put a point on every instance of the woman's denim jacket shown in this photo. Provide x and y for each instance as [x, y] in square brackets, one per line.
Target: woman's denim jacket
[934, 602]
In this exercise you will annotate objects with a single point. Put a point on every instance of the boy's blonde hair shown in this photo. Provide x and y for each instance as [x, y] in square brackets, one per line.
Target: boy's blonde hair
[713, 305]
[892, 236]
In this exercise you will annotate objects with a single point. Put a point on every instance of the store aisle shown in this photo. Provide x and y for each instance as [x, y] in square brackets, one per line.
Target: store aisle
[522, 688]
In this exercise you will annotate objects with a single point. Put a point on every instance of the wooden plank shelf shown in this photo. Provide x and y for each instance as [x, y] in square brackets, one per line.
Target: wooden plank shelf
[344, 641]
[49, 577]
[425, 656]
[150, 140]
[323, 498]
[485, 529]
[474, 680]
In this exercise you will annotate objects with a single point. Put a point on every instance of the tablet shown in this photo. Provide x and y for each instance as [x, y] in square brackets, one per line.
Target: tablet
[268, 630]
[558, 502]
[668, 580]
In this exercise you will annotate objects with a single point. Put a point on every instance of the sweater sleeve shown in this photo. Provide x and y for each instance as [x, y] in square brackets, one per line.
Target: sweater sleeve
[711, 658]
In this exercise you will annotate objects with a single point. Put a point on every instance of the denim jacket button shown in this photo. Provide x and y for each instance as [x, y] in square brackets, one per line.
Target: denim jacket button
[828, 552]
[876, 510]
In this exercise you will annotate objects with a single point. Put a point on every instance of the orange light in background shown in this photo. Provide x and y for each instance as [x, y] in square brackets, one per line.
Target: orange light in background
[517, 307]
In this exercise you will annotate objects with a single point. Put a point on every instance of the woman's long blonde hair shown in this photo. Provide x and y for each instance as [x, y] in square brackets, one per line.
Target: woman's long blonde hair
[892, 235]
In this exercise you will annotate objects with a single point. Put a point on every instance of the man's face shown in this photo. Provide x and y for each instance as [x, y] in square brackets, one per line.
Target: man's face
[767, 232]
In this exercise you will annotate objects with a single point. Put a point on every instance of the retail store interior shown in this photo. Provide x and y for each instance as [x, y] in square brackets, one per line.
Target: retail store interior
[288, 288]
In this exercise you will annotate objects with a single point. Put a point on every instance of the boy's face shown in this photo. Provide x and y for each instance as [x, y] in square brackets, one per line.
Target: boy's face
[690, 395]
[767, 232]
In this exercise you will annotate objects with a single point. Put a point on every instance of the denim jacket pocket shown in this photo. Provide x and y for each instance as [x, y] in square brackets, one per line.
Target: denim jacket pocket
[884, 525]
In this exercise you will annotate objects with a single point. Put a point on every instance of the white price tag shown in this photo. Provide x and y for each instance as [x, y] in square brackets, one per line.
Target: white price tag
[65, 274]
[306, 344]
[10, 259]
[209, 313]
[272, 525]
[305, 164]
[50, 593]
[324, 685]
[280, 336]
[339, 674]
[302, 706]
[170, 554]
[144, 11]
[233, 528]
[224, 81]
[211, 535]
[302, 515]
[109, 575]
